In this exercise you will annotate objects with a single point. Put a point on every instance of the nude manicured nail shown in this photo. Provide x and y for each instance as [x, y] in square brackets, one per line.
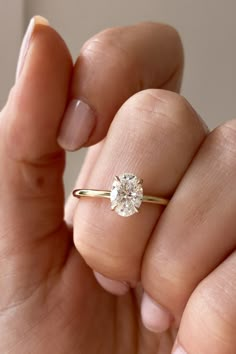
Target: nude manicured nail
[112, 286]
[154, 316]
[37, 20]
[179, 350]
[77, 125]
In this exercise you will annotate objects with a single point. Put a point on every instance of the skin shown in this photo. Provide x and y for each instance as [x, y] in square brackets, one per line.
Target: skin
[185, 258]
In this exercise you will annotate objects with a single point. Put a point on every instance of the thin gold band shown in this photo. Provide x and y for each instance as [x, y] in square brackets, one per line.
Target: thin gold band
[106, 194]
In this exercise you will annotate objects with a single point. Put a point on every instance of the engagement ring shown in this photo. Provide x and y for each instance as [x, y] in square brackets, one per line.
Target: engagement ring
[126, 194]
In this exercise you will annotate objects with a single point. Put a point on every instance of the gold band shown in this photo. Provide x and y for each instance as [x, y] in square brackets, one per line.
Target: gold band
[106, 194]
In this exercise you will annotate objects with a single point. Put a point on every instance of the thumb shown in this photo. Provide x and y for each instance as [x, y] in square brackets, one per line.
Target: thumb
[31, 162]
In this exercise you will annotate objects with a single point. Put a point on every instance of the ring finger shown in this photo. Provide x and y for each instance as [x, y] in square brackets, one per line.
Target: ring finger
[155, 136]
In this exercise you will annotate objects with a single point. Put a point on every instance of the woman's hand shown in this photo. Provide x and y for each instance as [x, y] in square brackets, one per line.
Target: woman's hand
[183, 257]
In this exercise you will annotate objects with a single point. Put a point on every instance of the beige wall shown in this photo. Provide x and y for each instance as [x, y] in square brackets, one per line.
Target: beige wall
[208, 30]
[11, 30]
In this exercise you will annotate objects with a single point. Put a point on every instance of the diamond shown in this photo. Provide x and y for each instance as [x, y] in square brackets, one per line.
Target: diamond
[126, 194]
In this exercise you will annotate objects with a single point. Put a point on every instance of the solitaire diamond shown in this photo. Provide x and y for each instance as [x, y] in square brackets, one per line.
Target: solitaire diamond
[126, 194]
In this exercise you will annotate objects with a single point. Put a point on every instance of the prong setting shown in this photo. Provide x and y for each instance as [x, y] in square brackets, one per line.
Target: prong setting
[126, 194]
[113, 207]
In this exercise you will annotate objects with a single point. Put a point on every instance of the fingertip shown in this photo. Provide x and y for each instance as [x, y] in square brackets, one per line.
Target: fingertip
[40, 20]
[178, 349]
[154, 316]
[34, 22]
[114, 287]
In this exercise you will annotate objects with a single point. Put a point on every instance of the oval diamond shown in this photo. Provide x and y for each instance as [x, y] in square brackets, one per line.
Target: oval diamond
[126, 194]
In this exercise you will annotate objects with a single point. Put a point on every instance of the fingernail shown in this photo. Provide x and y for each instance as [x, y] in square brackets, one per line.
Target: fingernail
[77, 125]
[179, 350]
[154, 316]
[112, 286]
[37, 20]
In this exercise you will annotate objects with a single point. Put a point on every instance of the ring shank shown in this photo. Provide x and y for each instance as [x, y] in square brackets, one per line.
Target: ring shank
[106, 194]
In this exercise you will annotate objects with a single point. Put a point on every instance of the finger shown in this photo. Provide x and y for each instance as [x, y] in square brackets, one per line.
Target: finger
[197, 230]
[112, 66]
[31, 161]
[209, 320]
[156, 143]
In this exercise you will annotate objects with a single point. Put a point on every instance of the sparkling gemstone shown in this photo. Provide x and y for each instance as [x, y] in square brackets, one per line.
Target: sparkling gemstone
[126, 194]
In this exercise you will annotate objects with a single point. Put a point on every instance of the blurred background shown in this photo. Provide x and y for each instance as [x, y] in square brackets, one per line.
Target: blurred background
[207, 28]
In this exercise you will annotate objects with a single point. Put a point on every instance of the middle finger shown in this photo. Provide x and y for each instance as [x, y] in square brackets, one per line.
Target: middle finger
[197, 231]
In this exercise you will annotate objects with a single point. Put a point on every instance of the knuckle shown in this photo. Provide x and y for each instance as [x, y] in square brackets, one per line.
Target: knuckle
[225, 137]
[115, 47]
[226, 131]
[165, 109]
[222, 141]
[107, 48]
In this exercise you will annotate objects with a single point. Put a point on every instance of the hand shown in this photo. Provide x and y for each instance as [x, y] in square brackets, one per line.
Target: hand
[50, 301]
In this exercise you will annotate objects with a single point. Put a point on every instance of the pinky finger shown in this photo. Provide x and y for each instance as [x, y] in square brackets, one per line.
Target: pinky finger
[208, 324]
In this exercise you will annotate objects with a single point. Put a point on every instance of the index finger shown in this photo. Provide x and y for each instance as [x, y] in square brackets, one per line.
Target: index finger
[112, 66]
